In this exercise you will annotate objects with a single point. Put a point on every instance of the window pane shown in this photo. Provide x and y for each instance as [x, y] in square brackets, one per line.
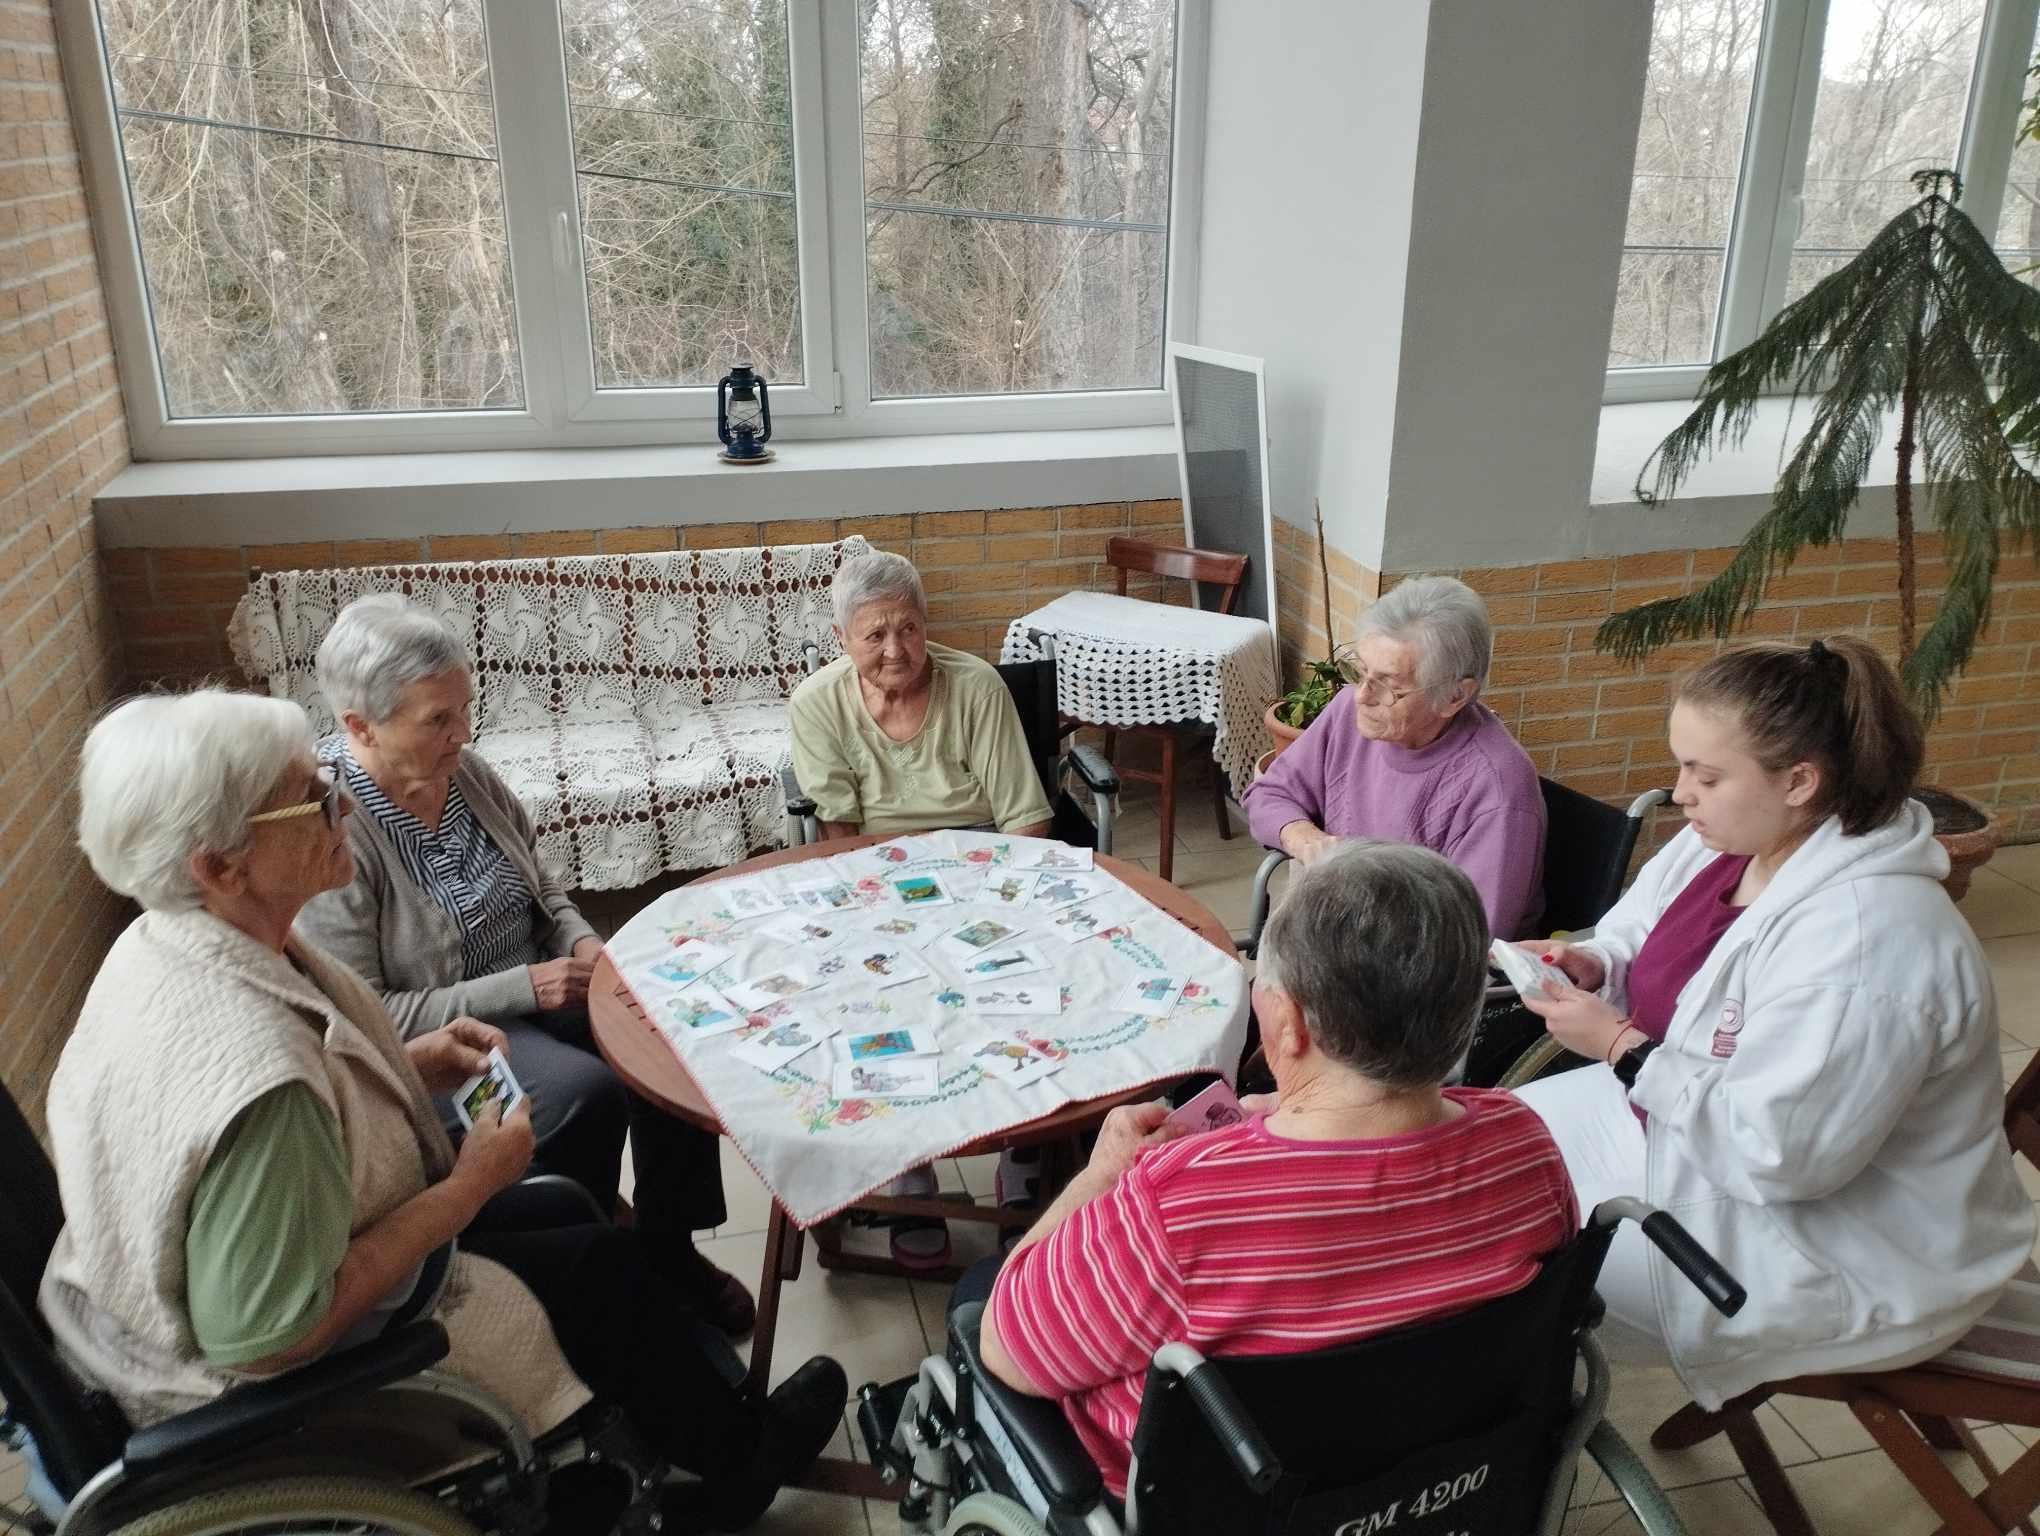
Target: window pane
[320, 209]
[1016, 177]
[683, 140]
[1894, 77]
[2018, 231]
[1696, 103]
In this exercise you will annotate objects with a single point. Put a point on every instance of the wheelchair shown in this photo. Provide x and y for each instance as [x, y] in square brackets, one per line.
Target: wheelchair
[367, 1439]
[1471, 1425]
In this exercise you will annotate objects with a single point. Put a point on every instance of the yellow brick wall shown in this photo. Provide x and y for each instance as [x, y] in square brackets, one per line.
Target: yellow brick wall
[62, 436]
[1300, 596]
[981, 569]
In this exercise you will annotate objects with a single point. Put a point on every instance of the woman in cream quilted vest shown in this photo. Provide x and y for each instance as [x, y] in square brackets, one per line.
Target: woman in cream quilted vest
[251, 1169]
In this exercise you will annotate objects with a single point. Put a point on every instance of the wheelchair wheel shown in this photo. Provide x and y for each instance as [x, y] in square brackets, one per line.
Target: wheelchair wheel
[992, 1514]
[356, 1506]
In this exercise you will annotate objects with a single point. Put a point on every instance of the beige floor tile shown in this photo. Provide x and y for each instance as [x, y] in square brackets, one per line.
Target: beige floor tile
[1197, 827]
[1998, 907]
[2021, 864]
[869, 1323]
[1865, 1495]
[1223, 882]
[2013, 1063]
[978, 1174]
[746, 1198]
[2015, 964]
[1642, 1398]
[1137, 834]
[1830, 1428]
[1711, 1509]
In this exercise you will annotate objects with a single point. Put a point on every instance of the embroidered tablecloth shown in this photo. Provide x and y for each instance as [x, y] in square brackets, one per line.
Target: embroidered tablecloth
[1125, 661]
[818, 1151]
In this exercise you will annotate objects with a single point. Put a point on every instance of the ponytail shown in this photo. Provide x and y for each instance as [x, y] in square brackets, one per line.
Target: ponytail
[1836, 704]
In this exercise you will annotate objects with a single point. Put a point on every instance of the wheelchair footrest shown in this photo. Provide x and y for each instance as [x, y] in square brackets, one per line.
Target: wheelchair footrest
[878, 1415]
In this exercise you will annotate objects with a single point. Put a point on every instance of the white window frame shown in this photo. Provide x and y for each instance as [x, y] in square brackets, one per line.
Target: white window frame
[1772, 175]
[563, 407]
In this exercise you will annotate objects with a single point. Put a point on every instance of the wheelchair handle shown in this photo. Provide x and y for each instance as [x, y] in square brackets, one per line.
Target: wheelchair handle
[1245, 1447]
[1681, 1247]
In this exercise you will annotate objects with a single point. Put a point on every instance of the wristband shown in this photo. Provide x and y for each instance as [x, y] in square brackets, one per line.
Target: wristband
[1631, 1061]
[1622, 1027]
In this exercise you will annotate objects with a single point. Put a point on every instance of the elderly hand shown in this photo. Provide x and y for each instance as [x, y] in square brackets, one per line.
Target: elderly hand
[449, 1056]
[496, 1150]
[1577, 1020]
[1126, 1132]
[561, 983]
[1584, 966]
[1306, 842]
[588, 949]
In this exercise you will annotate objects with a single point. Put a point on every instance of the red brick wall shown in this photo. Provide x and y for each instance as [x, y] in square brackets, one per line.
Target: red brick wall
[62, 436]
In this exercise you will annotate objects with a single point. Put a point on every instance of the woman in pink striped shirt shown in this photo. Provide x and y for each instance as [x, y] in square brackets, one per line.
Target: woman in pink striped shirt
[1361, 1196]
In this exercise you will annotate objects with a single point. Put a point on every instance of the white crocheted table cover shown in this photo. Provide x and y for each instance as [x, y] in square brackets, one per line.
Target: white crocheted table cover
[635, 704]
[818, 1153]
[1125, 661]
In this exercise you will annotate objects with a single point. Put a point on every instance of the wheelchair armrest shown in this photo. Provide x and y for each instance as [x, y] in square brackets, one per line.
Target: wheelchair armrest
[1055, 1458]
[230, 1422]
[539, 1201]
[797, 803]
[1099, 776]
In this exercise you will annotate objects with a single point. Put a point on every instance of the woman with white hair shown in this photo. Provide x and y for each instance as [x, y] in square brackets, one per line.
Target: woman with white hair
[251, 1169]
[899, 734]
[1408, 753]
[450, 912]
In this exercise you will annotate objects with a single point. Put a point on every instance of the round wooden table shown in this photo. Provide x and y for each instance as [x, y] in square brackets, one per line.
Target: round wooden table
[633, 1046]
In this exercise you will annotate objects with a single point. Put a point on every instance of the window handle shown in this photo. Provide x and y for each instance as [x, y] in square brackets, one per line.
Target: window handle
[562, 237]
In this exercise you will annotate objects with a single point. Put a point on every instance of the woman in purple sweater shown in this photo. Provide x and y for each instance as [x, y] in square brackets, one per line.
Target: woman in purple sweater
[1408, 754]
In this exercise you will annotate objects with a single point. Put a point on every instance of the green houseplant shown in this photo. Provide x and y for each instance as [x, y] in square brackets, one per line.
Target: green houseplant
[1290, 716]
[1924, 321]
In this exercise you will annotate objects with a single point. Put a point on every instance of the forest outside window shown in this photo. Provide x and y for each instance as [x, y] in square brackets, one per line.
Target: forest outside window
[1779, 135]
[365, 224]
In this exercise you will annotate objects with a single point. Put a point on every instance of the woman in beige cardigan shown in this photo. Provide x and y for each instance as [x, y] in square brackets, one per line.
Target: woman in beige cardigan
[450, 912]
[251, 1168]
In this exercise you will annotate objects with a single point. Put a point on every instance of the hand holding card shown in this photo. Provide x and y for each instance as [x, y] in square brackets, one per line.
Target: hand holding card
[496, 1085]
[1213, 1109]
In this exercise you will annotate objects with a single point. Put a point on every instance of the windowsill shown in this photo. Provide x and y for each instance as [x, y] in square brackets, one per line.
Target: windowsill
[259, 501]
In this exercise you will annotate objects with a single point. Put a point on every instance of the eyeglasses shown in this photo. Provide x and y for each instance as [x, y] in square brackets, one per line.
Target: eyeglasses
[328, 802]
[1367, 684]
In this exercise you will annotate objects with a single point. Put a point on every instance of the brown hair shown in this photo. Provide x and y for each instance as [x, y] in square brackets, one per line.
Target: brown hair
[1836, 704]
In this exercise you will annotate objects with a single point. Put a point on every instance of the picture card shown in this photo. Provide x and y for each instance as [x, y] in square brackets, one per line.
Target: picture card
[772, 1048]
[1153, 994]
[886, 965]
[815, 933]
[1212, 1110]
[902, 1077]
[685, 964]
[982, 850]
[912, 891]
[882, 1044]
[826, 896]
[915, 931]
[1000, 964]
[495, 1084]
[1015, 997]
[1088, 919]
[697, 1014]
[1015, 1060]
[1055, 889]
[976, 936]
[749, 899]
[769, 987]
[963, 885]
[1035, 853]
[1005, 888]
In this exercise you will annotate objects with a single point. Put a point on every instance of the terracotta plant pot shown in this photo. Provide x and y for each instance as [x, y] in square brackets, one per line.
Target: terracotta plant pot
[1261, 763]
[1281, 734]
[1968, 831]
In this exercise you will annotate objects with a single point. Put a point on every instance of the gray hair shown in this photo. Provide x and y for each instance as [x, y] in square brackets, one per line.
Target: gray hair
[1384, 948]
[1446, 623]
[379, 646]
[167, 776]
[878, 577]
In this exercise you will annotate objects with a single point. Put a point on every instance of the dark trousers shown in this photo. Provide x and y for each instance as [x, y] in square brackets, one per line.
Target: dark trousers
[579, 1112]
[634, 1338]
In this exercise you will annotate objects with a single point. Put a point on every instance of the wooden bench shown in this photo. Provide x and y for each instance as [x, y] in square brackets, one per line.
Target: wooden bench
[636, 704]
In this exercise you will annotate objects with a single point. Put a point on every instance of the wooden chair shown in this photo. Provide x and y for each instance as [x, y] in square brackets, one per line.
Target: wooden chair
[1992, 1376]
[1227, 573]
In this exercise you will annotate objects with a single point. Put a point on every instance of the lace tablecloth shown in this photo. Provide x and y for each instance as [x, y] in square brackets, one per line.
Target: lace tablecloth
[818, 1151]
[1123, 661]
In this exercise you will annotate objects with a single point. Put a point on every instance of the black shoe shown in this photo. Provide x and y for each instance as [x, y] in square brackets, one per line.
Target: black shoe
[802, 1415]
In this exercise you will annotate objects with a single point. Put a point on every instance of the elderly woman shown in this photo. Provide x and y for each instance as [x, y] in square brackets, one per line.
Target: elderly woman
[1792, 1042]
[252, 1172]
[1408, 753]
[899, 734]
[450, 912]
[1370, 1197]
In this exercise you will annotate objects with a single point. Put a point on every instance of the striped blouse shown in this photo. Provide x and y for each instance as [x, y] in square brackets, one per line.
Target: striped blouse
[1240, 1242]
[464, 873]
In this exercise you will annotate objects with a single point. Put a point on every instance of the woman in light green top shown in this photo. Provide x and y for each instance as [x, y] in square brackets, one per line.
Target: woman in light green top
[902, 735]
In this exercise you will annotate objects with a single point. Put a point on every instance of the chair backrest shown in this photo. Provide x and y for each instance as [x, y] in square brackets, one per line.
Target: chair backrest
[1447, 1426]
[1214, 567]
[74, 1436]
[1587, 845]
[2022, 1113]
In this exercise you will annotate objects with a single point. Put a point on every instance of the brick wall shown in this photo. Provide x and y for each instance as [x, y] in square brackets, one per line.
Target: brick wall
[1300, 596]
[1599, 724]
[62, 436]
[981, 569]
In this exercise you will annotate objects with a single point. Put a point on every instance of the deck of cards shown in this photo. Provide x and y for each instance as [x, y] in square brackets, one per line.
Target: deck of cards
[494, 1085]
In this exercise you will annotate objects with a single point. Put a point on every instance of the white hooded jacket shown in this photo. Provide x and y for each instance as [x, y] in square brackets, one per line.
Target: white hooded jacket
[1826, 1112]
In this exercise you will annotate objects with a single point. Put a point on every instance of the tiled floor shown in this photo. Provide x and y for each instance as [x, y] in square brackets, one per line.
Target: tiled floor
[880, 1329]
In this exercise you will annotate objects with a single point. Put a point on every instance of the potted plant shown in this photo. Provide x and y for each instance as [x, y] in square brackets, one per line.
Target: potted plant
[1290, 716]
[1924, 320]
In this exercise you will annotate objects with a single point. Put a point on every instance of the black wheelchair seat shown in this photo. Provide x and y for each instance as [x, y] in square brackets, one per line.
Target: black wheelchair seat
[1047, 1447]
